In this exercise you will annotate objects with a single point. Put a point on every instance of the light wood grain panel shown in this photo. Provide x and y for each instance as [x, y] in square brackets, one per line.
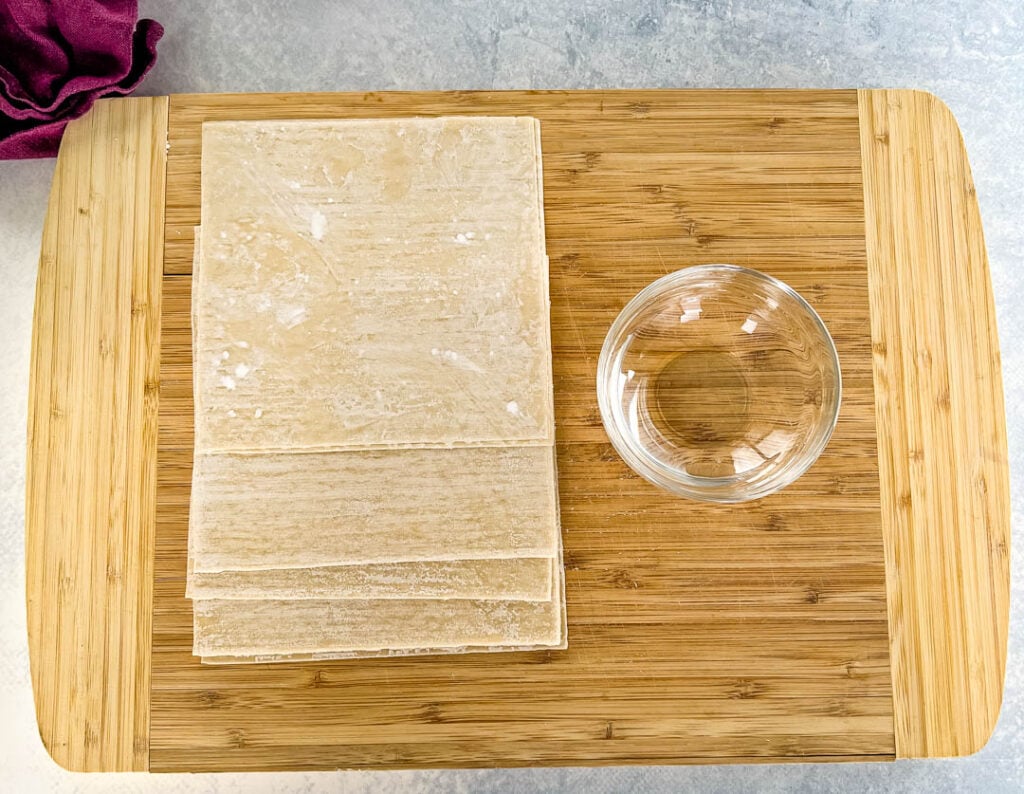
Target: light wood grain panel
[92, 438]
[939, 394]
[697, 632]
[605, 748]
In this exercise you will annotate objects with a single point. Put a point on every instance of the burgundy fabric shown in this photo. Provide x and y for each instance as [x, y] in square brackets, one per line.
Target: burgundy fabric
[57, 57]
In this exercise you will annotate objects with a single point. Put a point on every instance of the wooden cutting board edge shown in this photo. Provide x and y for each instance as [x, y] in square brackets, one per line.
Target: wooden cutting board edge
[92, 462]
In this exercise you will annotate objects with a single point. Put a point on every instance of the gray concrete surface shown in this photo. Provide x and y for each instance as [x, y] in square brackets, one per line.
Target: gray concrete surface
[969, 53]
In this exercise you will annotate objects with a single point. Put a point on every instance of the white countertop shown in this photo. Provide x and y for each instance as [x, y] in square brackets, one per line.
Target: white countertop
[970, 54]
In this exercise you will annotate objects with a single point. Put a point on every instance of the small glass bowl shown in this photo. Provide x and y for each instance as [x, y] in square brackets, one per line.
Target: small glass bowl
[719, 383]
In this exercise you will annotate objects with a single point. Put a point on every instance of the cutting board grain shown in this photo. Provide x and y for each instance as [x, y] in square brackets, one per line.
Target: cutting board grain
[670, 638]
[92, 427]
[793, 628]
[945, 480]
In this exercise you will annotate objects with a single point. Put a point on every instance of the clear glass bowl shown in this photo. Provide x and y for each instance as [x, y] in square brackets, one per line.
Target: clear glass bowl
[719, 383]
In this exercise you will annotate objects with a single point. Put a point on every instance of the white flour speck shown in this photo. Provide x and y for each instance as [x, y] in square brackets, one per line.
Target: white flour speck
[228, 382]
[512, 407]
[232, 413]
[317, 225]
[461, 239]
[258, 413]
[223, 235]
[241, 371]
[470, 235]
[294, 185]
[225, 355]
[290, 316]
[243, 345]
[487, 236]
[434, 351]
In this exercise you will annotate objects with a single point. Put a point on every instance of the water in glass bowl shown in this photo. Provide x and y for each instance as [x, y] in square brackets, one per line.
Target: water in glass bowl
[719, 383]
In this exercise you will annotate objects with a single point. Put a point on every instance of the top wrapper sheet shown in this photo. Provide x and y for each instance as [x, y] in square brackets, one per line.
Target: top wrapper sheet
[370, 284]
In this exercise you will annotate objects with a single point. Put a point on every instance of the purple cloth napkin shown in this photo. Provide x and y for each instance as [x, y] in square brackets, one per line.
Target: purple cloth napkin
[57, 58]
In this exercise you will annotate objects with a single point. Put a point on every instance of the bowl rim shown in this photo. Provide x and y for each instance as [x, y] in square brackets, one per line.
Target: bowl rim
[705, 489]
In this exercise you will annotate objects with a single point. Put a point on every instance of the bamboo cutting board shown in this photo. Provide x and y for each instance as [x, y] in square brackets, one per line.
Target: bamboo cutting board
[859, 614]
